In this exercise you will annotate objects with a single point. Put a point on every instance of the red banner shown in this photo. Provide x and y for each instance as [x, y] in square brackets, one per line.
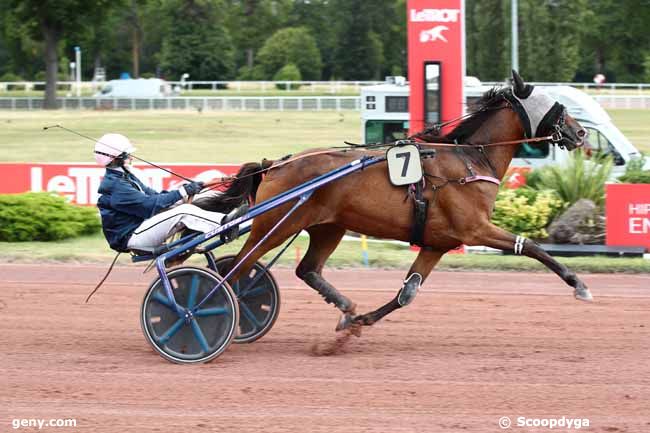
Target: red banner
[628, 215]
[436, 33]
[79, 182]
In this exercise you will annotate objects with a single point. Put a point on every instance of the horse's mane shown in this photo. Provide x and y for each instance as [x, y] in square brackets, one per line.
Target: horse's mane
[479, 112]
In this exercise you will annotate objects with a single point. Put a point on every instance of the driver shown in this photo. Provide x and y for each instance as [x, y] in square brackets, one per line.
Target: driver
[136, 217]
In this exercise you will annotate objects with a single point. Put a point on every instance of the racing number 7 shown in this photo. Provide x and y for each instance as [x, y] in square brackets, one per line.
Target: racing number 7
[407, 158]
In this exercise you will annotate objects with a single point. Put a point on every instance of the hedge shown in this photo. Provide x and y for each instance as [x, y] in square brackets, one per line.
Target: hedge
[526, 211]
[44, 217]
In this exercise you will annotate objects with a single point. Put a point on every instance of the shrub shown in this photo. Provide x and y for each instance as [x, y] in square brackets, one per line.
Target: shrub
[291, 45]
[579, 178]
[289, 72]
[43, 217]
[526, 211]
[634, 172]
[10, 76]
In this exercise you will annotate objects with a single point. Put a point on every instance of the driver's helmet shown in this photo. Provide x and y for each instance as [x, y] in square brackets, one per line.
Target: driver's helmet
[111, 146]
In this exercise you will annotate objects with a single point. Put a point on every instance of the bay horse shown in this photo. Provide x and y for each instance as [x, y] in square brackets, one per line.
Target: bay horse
[460, 186]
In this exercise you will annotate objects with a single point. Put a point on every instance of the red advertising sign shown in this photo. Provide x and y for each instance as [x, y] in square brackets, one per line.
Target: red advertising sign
[516, 177]
[79, 182]
[436, 33]
[628, 215]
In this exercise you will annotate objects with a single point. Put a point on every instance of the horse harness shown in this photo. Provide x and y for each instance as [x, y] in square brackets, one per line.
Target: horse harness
[537, 113]
[416, 191]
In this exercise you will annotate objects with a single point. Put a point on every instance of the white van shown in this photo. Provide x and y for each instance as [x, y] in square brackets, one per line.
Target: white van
[385, 117]
[135, 88]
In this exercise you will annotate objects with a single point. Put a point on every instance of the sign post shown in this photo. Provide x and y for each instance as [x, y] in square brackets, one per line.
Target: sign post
[436, 61]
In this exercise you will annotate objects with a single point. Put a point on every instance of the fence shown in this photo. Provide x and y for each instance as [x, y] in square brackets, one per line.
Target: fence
[308, 86]
[228, 103]
[89, 87]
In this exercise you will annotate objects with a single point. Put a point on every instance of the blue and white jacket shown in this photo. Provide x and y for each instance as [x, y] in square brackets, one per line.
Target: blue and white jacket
[125, 202]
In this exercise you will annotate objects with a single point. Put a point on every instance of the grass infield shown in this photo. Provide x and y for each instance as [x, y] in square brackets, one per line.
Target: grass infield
[225, 136]
[93, 249]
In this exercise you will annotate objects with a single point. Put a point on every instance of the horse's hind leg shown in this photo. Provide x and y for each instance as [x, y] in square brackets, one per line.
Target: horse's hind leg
[323, 240]
[419, 271]
[494, 237]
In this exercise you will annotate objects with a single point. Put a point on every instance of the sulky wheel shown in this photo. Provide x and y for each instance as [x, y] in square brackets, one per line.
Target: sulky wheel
[259, 299]
[190, 338]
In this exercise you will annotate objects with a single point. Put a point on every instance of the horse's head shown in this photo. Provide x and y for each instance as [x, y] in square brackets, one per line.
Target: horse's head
[542, 115]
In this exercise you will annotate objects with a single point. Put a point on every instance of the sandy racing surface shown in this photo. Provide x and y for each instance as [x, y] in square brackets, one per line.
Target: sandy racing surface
[473, 347]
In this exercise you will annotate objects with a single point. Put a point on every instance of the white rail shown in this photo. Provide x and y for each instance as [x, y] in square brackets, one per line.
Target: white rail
[214, 86]
[227, 103]
[250, 103]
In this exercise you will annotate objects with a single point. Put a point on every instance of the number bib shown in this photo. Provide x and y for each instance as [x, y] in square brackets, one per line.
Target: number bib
[404, 165]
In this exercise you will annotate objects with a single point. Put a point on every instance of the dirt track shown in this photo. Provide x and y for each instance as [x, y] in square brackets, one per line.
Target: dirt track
[472, 347]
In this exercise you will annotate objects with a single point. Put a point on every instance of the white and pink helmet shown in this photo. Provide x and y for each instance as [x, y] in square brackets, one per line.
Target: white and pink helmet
[110, 146]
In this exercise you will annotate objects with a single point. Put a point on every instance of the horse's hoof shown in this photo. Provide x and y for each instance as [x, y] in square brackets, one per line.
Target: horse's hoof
[583, 295]
[346, 320]
[355, 329]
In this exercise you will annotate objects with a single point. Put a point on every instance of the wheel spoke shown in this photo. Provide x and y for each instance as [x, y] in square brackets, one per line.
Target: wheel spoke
[196, 329]
[162, 299]
[235, 287]
[216, 311]
[194, 289]
[253, 292]
[171, 331]
[249, 314]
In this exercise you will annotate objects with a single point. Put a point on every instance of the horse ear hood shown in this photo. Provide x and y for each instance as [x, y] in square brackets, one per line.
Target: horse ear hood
[520, 89]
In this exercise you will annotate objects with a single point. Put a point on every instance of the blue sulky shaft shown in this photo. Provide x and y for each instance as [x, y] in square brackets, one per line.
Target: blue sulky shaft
[302, 192]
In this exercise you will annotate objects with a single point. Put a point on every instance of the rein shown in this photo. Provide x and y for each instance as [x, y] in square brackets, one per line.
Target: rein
[553, 138]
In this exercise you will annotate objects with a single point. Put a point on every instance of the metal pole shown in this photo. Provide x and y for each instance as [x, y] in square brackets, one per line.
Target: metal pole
[514, 52]
[77, 55]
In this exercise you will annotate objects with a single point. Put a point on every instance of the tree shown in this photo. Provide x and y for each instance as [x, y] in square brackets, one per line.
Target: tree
[291, 45]
[488, 48]
[550, 39]
[615, 40]
[197, 42]
[360, 52]
[315, 15]
[251, 22]
[49, 21]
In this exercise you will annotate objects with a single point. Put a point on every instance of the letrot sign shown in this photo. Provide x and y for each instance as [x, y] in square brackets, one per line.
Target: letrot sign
[436, 60]
[79, 182]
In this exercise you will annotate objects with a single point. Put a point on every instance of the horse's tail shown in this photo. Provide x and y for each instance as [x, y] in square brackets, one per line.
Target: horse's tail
[242, 189]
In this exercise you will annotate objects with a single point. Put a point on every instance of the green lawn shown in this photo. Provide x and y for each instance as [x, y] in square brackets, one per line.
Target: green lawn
[175, 136]
[635, 124]
[382, 255]
[225, 136]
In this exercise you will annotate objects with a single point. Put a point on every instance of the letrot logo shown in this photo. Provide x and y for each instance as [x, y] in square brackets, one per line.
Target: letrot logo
[434, 15]
[434, 34]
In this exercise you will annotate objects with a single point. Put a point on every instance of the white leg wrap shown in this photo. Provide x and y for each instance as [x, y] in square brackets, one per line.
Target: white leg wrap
[519, 244]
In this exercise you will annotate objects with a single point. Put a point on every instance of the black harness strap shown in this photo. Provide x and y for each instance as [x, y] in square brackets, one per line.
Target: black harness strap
[420, 207]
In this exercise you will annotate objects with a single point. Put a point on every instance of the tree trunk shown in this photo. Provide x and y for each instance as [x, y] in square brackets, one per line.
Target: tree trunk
[136, 52]
[136, 38]
[51, 66]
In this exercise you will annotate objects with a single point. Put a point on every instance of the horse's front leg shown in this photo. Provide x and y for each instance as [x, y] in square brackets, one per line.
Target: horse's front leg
[419, 271]
[492, 236]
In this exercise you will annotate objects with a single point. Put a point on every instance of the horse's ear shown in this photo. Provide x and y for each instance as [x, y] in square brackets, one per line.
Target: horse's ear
[520, 89]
